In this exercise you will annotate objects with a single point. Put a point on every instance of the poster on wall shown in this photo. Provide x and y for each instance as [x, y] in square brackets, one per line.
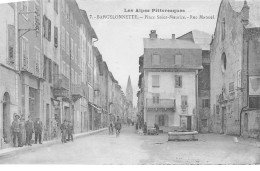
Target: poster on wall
[254, 85]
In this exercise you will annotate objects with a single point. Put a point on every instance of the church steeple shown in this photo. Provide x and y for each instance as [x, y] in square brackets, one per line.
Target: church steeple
[129, 90]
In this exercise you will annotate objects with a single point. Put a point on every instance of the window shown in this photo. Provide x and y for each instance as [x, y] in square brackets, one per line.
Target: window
[254, 102]
[72, 49]
[223, 62]
[67, 43]
[223, 34]
[45, 65]
[217, 109]
[56, 5]
[205, 103]
[46, 28]
[178, 81]
[11, 45]
[178, 60]
[24, 9]
[184, 101]
[156, 59]
[231, 87]
[67, 13]
[63, 37]
[71, 19]
[37, 61]
[156, 97]
[155, 81]
[76, 54]
[50, 71]
[55, 36]
[37, 22]
[25, 53]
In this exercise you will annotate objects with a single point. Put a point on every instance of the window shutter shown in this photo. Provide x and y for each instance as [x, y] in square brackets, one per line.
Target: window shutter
[56, 37]
[180, 81]
[49, 30]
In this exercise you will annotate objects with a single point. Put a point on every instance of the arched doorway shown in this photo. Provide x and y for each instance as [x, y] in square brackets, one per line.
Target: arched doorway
[6, 118]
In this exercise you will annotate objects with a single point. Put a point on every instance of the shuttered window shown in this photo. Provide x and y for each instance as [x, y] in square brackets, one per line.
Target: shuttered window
[156, 97]
[63, 37]
[56, 37]
[46, 28]
[155, 81]
[178, 81]
[184, 101]
[11, 45]
[156, 59]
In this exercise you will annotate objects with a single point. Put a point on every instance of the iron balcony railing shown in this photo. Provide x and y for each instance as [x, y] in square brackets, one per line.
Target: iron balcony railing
[61, 82]
[76, 89]
[160, 103]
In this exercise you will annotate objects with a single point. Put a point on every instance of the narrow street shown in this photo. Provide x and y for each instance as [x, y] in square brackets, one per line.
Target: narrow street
[131, 148]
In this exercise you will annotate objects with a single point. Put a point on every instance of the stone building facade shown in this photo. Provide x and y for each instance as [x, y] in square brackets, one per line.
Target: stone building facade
[235, 69]
[170, 82]
[203, 97]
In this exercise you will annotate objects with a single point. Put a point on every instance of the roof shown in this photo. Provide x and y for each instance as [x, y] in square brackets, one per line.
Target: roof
[169, 44]
[200, 38]
[254, 11]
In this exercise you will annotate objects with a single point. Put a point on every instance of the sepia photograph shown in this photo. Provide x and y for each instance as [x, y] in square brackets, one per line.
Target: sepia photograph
[129, 82]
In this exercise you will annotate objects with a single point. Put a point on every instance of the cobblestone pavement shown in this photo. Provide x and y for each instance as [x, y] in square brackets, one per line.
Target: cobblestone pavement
[132, 148]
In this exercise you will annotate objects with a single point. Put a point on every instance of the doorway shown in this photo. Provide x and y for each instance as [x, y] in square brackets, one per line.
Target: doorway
[224, 119]
[6, 118]
[189, 123]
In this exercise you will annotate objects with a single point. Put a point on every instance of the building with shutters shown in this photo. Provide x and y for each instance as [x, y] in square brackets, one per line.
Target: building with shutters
[170, 82]
[9, 77]
[235, 74]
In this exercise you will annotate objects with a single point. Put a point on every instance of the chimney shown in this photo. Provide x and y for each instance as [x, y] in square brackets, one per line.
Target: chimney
[173, 36]
[153, 34]
[245, 13]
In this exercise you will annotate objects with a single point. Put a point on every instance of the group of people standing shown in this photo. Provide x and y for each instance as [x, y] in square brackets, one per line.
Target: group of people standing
[145, 129]
[66, 131]
[117, 125]
[30, 128]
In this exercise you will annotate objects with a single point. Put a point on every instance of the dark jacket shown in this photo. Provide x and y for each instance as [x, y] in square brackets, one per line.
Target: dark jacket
[38, 126]
[70, 129]
[118, 125]
[15, 126]
[63, 127]
[29, 126]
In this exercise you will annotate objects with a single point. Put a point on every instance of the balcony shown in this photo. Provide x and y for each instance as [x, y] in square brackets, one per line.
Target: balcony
[162, 104]
[60, 82]
[76, 91]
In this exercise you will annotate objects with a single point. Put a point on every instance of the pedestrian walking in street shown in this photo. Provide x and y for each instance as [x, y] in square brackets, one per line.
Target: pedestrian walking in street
[145, 128]
[136, 127]
[118, 126]
[38, 130]
[16, 131]
[63, 129]
[70, 131]
[156, 128]
[111, 128]
[29, 128]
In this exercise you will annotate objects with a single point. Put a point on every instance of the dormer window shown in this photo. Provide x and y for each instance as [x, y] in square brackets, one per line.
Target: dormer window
[156, 59]
[178, 60]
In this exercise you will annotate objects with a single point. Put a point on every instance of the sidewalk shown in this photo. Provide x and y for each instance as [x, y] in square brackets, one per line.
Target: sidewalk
[7, 152]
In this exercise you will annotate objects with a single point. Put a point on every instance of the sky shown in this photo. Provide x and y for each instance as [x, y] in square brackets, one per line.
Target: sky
[121, 41]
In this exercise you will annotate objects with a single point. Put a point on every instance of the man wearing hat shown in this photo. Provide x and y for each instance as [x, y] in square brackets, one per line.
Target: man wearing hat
[16, 130]
[63, 129]
[29, 128]
[38, 130]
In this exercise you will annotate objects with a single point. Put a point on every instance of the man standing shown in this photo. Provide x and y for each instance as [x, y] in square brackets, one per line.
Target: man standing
[63, 129]
[118, 126]
[38, 130]
[16, 130]
[29, 128]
